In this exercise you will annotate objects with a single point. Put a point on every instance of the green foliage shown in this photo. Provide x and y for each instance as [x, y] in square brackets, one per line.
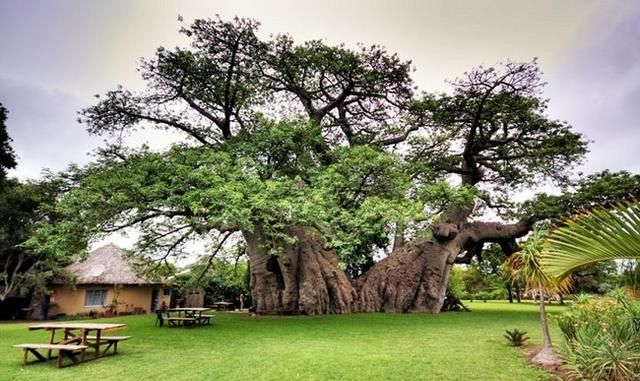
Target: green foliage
[631, 276]
[600, 235]
[498, 293]
[526, 266]
[601, 189]
[362, 193]
[25, 207]
[493, 129]
[238, 187]
[516, 337]
[602, 338]
[481, 295]
[485, 277]
[478, 277]
[221, 280]
[279, 133]
[7, 156]
[456, 284]
[596, 278]
[359, 95]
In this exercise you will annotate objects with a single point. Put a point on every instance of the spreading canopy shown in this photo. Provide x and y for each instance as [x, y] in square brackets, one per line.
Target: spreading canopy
[280, 134]
[492, 132]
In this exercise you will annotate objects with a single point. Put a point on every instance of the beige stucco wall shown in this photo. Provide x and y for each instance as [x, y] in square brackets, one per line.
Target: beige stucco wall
[128, 299]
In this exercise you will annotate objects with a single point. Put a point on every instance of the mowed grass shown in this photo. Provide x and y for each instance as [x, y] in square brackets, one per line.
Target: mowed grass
[372, 346]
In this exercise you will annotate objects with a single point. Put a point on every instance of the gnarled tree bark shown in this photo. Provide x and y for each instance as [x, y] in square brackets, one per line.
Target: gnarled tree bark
[415, 277]
[303, 279]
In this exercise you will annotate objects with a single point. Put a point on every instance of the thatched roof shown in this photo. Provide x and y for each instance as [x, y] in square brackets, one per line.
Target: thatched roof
[106, 265]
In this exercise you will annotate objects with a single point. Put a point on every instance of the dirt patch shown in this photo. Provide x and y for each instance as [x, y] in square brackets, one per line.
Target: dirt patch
[556, 372]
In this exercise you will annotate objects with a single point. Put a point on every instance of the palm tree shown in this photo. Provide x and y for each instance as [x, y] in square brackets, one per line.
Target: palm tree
[602, 234]
[525, 267]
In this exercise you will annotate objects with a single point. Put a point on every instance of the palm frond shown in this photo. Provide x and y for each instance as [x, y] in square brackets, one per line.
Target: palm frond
[602, 234]
[525, 266]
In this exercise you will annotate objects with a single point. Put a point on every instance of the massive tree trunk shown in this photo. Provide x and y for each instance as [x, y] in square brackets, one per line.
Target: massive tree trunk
[415, 277]
[303, 279]
[410, 279]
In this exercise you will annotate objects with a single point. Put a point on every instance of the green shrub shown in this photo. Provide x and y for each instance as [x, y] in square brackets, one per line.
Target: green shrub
[602, 338]
[498, 294]
[482, 295]
[456, 284]
[516, 337]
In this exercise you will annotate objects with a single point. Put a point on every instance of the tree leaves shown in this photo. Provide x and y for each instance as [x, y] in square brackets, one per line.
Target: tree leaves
[7, 156]
[492, 131]
[282, 133]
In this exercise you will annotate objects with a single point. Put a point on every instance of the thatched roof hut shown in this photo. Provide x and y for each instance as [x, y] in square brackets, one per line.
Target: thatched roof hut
[106, 265]
[106, 281]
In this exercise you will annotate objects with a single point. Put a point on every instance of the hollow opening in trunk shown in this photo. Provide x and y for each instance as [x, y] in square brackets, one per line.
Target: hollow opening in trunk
[274, 267]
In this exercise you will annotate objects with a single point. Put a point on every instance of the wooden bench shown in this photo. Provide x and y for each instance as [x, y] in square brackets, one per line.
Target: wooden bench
[111, 341]
[206, 318]
[68, 350]
[177, 321]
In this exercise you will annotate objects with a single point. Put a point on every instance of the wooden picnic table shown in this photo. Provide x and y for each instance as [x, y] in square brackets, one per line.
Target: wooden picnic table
[78, 334]
[192, 315]
[222, 305]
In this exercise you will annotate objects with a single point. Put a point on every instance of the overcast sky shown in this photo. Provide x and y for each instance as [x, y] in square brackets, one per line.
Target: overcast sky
[54, 55]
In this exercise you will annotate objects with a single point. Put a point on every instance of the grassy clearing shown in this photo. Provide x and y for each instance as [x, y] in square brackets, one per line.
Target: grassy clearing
[449, 346]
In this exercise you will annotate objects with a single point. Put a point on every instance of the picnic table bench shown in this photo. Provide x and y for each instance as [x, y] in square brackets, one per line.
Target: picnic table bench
[64, 350]
[192, 316]
[111, 341]
[223, 305]
[181, 321]
[75, 342]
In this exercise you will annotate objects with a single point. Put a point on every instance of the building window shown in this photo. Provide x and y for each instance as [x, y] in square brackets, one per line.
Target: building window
[167, 292]
[96, 298]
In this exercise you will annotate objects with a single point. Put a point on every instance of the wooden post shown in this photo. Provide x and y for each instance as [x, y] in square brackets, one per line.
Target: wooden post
[24, 356]
[83, 341]
[98, 332]
[52, 338]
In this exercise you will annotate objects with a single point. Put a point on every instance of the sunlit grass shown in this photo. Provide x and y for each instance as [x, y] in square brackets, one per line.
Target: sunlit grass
[448, 346]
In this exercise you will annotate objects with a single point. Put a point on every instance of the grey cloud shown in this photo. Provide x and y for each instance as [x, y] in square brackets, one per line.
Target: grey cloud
[43, 127]
[598, 92]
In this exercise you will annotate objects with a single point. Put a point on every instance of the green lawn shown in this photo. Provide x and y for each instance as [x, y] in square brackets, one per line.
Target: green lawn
[448, 346]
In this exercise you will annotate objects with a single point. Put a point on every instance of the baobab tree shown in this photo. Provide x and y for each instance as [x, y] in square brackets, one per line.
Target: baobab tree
[315, 155]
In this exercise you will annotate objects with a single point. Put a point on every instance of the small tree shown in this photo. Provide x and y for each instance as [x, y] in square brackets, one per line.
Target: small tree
[525, 267]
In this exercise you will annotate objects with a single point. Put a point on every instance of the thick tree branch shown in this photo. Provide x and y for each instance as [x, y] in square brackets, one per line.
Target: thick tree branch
[169, 214]
[495, 231]
[398, 139]
[170, 123]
